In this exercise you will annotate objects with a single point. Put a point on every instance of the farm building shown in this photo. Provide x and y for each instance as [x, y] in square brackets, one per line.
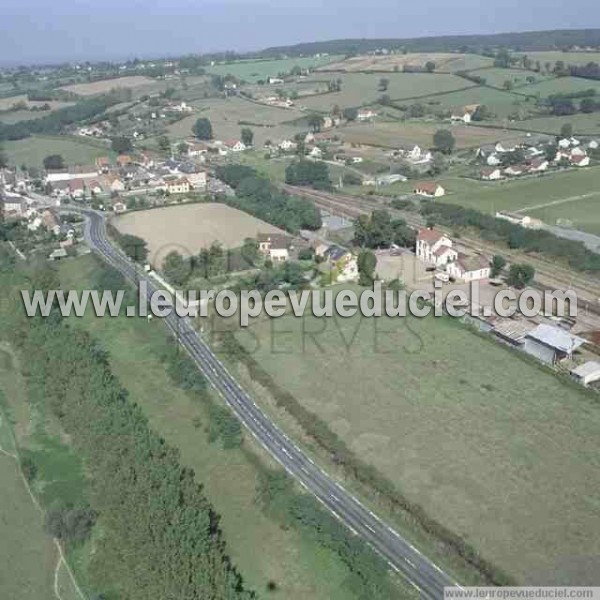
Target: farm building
[469, 267]
[430, 189]
[551, 344]
[587, 373]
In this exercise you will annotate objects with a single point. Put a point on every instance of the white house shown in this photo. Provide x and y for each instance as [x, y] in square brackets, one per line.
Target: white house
[593, 145]
[237, 146]
[13, 206]
[515, 170]
[493, 160]
[430, 189]
[178, 186]
[469, 267]
[564, 143]
[365, 114]
[315, 152]
[538, 165]
[580, 161]
[491, 174]
[435, 248]
[275, 246]
[198, 180]
[501, 148]
[578, 151]
[288, 145]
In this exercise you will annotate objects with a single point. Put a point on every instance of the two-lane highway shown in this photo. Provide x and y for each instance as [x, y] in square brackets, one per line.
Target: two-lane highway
[399, 553]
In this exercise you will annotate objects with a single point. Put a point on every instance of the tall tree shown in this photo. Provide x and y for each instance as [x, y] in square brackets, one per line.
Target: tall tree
[202, 129]
[444, 141]
[54, 161]
[247, 136]
[176, 268]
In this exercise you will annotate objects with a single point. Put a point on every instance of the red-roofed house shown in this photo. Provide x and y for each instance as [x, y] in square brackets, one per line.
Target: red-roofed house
[580, 161]
[431, 189]
[77, 188]
[434, 247]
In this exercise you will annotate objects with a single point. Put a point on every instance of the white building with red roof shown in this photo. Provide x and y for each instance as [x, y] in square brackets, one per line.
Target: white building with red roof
[435, 248]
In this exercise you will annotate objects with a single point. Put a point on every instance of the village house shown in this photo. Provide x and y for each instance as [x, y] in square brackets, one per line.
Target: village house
[124, 160]
[236, 146]
[490, 174]
[430, 189]
[365, 114]
[434, 247]
[102, 164]
[95, 187]
[580, 161]
[594, 145]
[180, 185]
[13, 206]
[315, 152]
[84, 171]
[198, 180]
[501, 148]
[288, 145]
[275, 246]
[54, 175]
[77, 188]
[116, 184]
[119, 207]
[465, 115]
[538, 165]
[515, 170]
[469, 267]
[50, 222]
[493, 160]
[342, 262]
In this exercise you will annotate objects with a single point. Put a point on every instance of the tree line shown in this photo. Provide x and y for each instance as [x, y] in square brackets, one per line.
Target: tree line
[514, 236]
[153, 513]
[256, 195]
[57, 120]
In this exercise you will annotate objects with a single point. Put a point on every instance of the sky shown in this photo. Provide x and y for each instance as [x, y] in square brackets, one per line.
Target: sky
[60, 30]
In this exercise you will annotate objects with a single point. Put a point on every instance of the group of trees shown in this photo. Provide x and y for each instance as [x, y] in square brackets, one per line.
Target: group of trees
[564, 104]
[154, 515]
[309, 173]
[444, 141]
[379, 230]
[202, 129]
[258, 196]
[54, 122]
[529, 240]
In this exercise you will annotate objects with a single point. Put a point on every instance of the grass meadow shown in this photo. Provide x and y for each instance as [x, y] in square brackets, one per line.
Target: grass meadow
[262, 550]
[489, 444]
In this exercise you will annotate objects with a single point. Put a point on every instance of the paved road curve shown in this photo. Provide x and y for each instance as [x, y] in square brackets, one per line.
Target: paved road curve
[400, 554]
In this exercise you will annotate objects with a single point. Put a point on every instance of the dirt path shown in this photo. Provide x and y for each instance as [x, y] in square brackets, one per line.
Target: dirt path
[61, 557]
[527, 209]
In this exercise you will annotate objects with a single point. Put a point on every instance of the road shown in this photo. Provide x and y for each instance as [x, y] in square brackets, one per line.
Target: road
[403, 557]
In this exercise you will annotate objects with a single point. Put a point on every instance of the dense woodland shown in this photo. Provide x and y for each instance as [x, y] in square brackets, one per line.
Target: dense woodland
[526, 41]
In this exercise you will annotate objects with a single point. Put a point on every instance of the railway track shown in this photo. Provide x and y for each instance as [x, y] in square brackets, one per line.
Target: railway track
[548, 275]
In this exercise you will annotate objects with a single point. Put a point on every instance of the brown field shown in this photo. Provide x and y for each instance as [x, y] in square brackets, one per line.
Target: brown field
[101, 87]
[188, 228]
[394, 135]
[445, 62]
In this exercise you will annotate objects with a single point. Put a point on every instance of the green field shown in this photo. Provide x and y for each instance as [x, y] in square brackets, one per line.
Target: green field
[261, 549]
[499, 102]
[583, 214]
[396, 134]
[520, 194]
[569, 58]
[228, 116]
[31, 151]
[28, 557]
[583, 124]
[489, 444]
[562, 85]
[359, 89]
[253, 70]
[518, 77]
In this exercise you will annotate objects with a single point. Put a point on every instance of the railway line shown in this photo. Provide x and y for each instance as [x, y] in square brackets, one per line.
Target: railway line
[548, 275]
